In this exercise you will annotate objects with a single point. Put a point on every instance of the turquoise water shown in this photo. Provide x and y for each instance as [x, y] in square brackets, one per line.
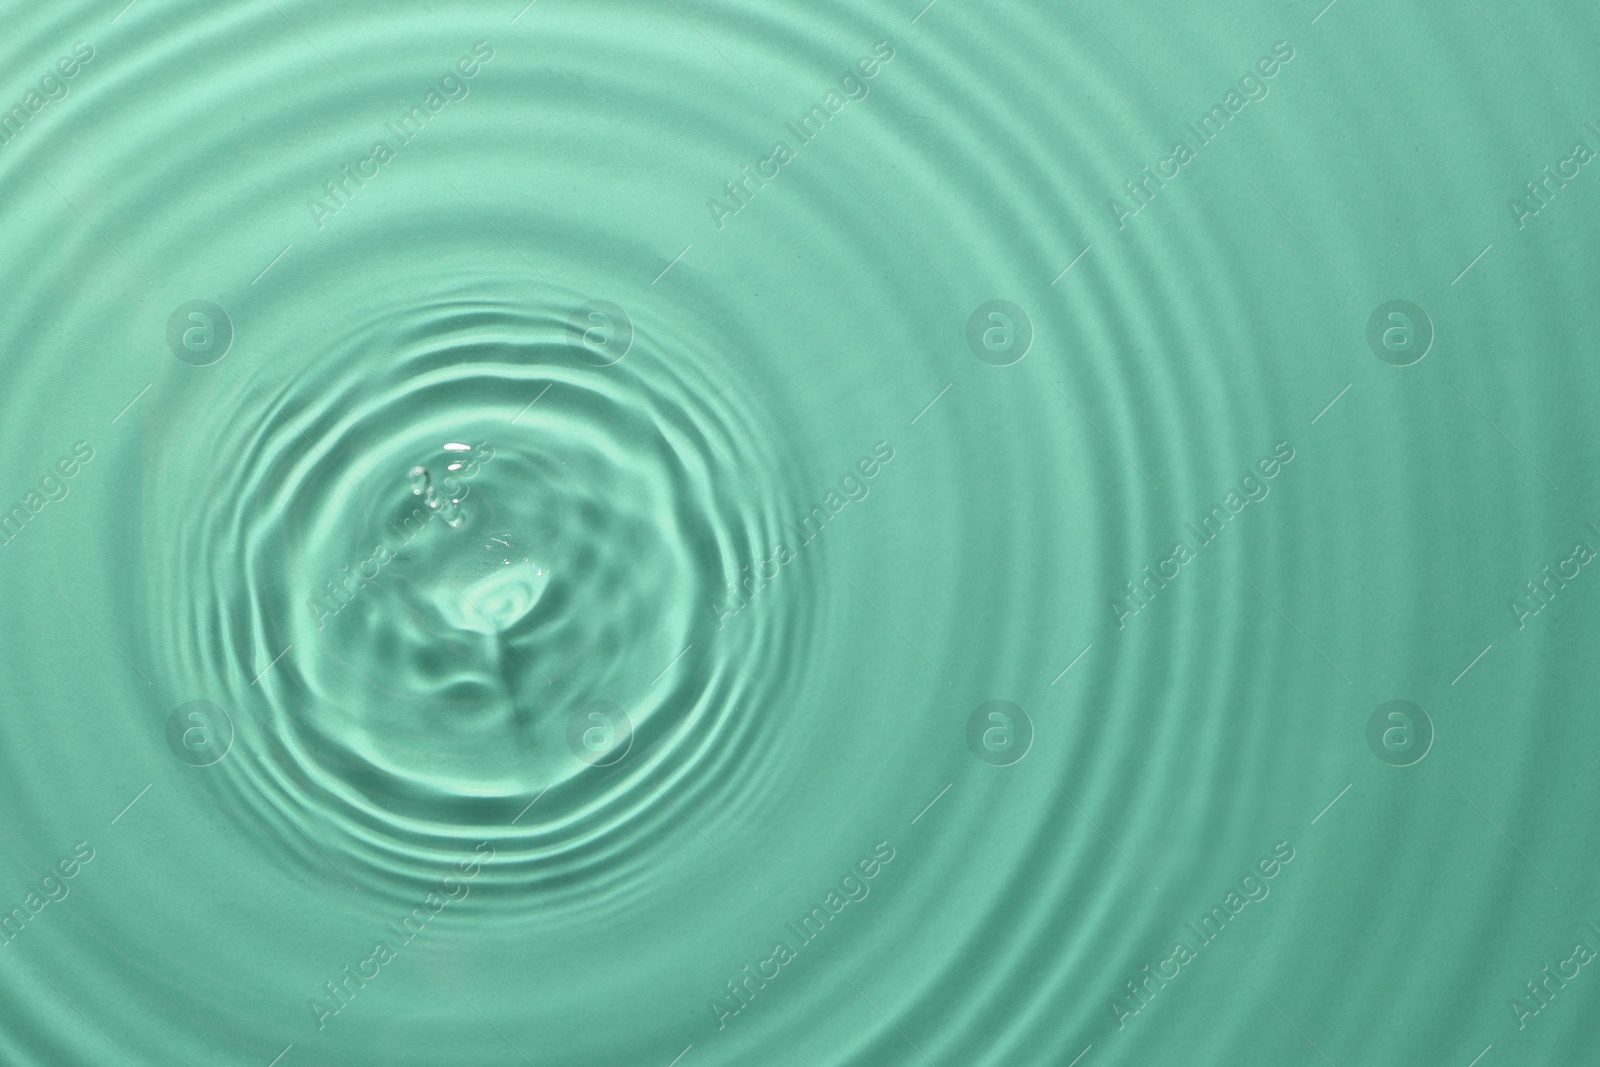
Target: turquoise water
[692, 534]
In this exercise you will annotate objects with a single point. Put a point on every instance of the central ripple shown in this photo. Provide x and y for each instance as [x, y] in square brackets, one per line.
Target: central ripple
[557, 566]
[497, 567]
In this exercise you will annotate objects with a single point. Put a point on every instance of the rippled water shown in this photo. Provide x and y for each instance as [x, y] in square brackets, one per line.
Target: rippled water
[694, 534]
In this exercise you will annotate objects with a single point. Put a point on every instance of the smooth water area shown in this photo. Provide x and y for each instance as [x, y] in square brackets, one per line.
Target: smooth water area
[852, 534]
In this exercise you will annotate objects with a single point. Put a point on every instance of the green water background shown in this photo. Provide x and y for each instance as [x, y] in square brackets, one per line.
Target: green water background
[1169, 357]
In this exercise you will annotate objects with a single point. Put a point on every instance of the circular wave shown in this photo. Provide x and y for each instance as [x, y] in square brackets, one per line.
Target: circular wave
[470, 560]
